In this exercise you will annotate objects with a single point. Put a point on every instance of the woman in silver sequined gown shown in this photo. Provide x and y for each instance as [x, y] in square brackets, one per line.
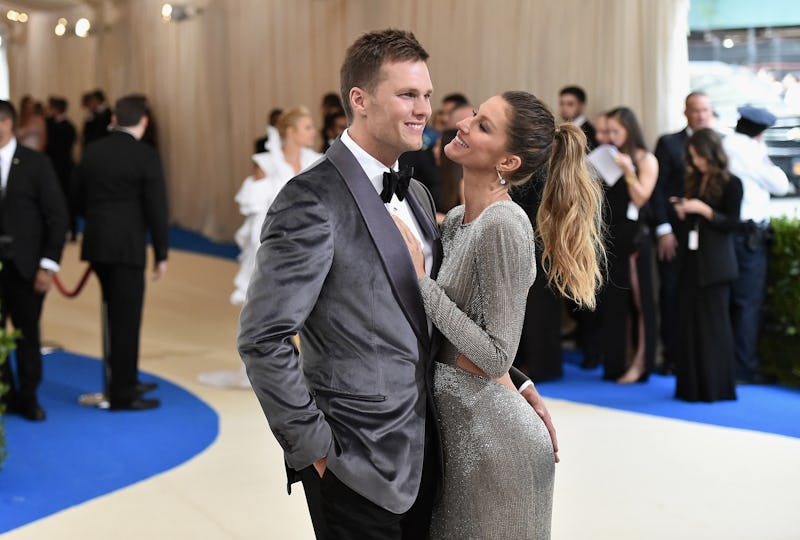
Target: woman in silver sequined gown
[499, 461]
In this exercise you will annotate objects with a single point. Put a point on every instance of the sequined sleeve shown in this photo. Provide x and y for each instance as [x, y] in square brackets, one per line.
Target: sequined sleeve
[503, 251]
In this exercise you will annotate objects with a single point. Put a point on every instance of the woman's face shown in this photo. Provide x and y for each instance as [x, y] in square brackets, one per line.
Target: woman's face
[601, 129]
[617, 132]
[302, 132]
[700, 163]
[481, 139]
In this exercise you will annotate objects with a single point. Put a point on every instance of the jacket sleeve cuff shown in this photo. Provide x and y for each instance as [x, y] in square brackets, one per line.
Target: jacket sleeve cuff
[315, 446]
[49, 264]
[664, 228]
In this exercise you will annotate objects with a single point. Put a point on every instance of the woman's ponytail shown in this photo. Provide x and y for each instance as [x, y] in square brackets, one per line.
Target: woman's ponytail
[570, 220]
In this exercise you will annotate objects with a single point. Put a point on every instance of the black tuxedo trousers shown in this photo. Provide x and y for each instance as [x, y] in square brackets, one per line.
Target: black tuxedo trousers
[23, 306]
[123, 298]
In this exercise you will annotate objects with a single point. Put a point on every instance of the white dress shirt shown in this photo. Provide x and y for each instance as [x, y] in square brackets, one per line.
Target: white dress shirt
[578, 120]
[748, 159]
[6, 159]
[374, 170]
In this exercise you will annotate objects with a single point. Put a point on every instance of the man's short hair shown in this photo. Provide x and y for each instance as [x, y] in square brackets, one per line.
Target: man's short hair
[331, 101]
[458, 100]
[7, 110]
[58, 103]
[99, 95]
[129, 110]
[365, 57]
[576, 91]
[694, 94]
[273, 116]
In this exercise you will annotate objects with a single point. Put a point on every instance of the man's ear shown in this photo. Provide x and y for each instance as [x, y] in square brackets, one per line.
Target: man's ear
[358, 97]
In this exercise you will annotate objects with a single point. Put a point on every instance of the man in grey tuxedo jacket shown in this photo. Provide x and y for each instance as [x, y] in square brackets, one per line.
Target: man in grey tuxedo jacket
[353, 412]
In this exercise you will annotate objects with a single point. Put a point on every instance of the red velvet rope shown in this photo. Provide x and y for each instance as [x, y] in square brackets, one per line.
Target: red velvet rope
[78, 289]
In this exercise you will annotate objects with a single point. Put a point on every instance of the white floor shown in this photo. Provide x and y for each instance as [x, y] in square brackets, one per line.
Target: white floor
[622, 476]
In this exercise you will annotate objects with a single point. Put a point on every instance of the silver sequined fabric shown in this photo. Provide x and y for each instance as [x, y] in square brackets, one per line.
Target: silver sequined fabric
[499, 463]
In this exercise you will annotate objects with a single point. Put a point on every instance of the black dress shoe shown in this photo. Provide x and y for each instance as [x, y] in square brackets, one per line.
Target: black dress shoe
[138, 404]
[30, 410]
[145, 387]
[591, 361]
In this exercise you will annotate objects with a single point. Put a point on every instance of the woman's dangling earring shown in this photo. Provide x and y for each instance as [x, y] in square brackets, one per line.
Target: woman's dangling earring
[502, 180]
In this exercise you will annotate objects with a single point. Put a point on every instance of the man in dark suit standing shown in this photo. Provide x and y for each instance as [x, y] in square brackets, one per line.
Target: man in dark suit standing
[572, 109]
[33, 224]
[61, 136]
[670, 152]
[120, 191]
[98, 116]
[354, 415]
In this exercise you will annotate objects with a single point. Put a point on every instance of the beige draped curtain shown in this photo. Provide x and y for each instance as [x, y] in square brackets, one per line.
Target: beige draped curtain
[213, 78]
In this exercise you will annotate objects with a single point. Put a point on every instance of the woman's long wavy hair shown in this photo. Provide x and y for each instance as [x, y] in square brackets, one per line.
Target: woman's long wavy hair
[708, 144]
[569, 221]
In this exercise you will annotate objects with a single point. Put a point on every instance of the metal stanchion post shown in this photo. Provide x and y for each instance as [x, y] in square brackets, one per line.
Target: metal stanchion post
[100, 399]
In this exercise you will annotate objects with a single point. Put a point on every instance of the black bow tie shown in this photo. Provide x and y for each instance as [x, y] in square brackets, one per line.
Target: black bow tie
[396, 183]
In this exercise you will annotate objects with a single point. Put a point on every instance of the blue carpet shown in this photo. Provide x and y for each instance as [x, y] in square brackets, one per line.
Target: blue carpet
[767, 408]
[197, 243]
[771, 409]
[80, 453]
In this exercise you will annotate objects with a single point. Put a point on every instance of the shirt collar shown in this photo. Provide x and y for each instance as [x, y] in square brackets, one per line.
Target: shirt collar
[7, 152]
[373, 168]
[579, 120]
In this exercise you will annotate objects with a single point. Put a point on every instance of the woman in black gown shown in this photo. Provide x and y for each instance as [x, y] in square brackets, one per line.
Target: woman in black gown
[705, 367]
[625, 313]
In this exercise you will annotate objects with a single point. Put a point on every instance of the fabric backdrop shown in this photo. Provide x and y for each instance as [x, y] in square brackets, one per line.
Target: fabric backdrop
[213, 78]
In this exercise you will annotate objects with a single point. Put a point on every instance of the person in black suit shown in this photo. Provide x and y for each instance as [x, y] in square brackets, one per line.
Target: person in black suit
[572, 107]
[61, 136]
[708, 217]
[670, 153]
[98, 118]
[539, 351]
[272, 120]
[120, 191]
[33, 225]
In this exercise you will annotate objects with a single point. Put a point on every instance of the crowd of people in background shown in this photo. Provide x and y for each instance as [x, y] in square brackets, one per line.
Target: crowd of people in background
[687, 230]
[686, 233]
[118, 189]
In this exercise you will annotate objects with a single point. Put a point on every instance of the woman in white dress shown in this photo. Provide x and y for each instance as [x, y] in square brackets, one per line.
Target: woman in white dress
[284, 159]
[286, 155]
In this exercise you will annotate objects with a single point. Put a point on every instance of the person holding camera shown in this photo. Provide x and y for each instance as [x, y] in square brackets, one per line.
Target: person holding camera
[33, 228]
[748, 159]
[706, 262]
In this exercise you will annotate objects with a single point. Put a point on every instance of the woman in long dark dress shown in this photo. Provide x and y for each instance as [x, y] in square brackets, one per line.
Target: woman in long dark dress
[705, 367]
[624, 328]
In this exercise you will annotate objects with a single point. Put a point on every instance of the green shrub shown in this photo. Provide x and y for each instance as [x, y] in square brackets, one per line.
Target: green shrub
[6, 346]
[779, 346]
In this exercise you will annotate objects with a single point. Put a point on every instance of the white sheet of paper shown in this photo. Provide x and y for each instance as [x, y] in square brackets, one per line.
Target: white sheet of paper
[633, 212]
[602, 159]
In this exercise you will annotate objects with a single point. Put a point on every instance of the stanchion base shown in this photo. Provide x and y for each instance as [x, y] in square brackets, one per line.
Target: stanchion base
[97, 400]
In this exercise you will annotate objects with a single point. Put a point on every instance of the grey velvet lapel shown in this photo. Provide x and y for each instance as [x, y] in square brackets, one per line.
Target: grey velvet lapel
[387, 239]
